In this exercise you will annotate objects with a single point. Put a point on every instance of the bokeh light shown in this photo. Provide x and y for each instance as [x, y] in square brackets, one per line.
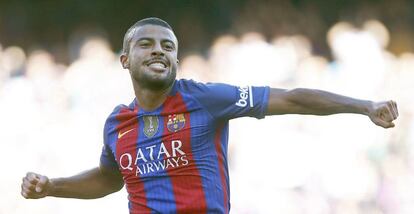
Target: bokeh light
[283, 164]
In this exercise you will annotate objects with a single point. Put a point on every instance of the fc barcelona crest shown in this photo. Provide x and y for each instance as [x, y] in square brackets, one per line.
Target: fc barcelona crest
[175, 122]
[150, 125]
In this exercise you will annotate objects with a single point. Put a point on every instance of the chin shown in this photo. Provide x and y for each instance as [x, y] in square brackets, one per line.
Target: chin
[158, 84]
[149, 80]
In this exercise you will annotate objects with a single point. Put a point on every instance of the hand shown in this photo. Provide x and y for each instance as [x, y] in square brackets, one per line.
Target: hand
[384, 113]
[35, 186]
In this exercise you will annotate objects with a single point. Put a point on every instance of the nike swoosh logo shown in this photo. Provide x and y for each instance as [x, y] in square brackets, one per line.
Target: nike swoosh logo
[124, 133]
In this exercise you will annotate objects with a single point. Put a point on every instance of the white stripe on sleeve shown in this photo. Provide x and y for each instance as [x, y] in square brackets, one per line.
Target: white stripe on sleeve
[251, 96]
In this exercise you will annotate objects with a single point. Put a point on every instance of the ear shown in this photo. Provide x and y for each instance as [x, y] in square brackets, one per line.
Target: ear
[124, 61]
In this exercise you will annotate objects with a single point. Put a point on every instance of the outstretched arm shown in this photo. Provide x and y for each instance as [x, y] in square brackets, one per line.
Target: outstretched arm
[94, 183]
[318, 102]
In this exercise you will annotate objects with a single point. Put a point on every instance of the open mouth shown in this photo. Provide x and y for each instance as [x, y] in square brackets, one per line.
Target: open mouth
[157, 64]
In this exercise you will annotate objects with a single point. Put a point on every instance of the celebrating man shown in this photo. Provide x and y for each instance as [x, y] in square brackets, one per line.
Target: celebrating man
[169, 146]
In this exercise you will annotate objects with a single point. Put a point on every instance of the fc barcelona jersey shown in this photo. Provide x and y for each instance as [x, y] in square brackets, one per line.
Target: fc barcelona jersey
[174, 159]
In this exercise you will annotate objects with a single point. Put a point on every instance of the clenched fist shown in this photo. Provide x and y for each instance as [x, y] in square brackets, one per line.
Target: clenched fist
[35, 186]
[384, 113]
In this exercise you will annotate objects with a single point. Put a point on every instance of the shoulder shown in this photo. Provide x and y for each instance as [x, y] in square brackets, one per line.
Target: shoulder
[195, 88]
[116, 111]
[185, 85]
[113, 119]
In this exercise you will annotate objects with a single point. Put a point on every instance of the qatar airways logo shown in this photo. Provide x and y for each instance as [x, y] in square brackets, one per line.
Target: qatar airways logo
[245, 96]
[154, 158]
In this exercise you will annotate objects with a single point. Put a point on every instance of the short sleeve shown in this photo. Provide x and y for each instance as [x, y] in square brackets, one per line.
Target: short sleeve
[107, 158]
[225, 101]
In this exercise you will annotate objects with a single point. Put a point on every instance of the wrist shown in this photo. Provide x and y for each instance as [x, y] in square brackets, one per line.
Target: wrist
[367, 107]
[52, 188]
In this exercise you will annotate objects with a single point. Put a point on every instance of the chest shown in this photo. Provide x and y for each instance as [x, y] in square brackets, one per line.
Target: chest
[149, 144]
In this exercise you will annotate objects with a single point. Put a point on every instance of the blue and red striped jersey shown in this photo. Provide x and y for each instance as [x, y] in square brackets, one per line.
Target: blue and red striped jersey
[174, 159]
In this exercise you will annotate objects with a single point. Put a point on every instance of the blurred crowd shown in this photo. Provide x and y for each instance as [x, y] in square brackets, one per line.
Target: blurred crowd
[52, 118]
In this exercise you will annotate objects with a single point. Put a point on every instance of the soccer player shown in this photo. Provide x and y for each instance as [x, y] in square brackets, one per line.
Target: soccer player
[169, 145]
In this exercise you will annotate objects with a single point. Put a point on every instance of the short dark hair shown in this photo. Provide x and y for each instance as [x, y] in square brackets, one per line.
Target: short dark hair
[147, 21]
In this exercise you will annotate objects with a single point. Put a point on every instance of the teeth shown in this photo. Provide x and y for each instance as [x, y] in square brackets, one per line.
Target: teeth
[157, 65]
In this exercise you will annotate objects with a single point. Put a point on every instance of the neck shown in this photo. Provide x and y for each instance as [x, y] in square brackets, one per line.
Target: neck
[150, 100]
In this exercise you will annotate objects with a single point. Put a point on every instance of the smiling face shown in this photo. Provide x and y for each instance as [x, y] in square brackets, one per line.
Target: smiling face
[152, 57]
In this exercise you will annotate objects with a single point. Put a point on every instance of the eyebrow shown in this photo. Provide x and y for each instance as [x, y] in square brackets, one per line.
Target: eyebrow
[151, 39]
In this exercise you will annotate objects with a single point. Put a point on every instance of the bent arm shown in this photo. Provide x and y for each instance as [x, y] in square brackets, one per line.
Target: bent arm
[94, 183]
[318, 102]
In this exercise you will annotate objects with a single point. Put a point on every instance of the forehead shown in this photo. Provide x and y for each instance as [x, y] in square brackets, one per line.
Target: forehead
[155, 32]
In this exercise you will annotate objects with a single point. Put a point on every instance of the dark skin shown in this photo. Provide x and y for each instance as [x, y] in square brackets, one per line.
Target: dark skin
[94, 183]
[152, 84]
[318, 102]
[152, 63]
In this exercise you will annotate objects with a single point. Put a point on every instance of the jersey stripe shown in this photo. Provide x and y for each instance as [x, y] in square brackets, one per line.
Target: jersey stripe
[202, 135]
[187, 185]
[108, 155]
[221, 154]
[126, 151]
[159, 184]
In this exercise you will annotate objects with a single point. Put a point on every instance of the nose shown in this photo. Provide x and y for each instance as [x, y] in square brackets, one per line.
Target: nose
[157, 50]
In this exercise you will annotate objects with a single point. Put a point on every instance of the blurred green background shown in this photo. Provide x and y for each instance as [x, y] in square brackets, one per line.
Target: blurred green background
[60, 77]
[52, 24]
